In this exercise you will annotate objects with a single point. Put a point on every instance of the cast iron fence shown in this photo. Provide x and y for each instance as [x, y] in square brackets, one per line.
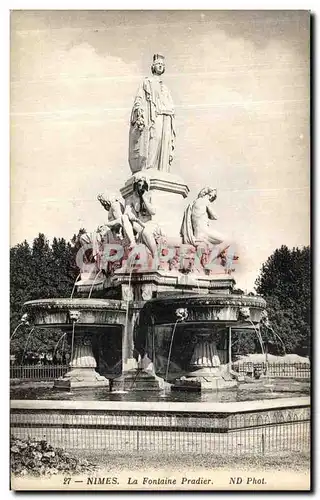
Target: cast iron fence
[51, 372]
[265, 432]
[38, 372]
[294, 370]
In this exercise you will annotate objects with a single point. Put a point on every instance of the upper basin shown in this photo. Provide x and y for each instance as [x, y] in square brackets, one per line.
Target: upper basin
[64, 311]
[206, 308]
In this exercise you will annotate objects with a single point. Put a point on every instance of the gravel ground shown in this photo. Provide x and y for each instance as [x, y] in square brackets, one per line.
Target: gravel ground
[298, 461]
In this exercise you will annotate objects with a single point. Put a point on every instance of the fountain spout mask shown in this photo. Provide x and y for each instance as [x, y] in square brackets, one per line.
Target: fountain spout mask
[25, 319]
[244, 313]
[74, 316]
[181, 314]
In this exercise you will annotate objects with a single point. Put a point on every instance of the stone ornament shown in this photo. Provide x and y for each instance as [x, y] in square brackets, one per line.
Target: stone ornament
[244, 313]
[182, 313]
[74, 315]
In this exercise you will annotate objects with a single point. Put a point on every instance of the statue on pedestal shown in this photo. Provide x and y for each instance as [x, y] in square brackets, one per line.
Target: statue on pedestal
[196, 227]
[152, 134]
[137, 218]
[106, 233]
[115, 208]
[197, 230]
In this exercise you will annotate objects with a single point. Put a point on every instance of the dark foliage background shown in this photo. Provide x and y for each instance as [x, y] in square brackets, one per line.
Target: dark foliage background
[40, 271]
[45, 270]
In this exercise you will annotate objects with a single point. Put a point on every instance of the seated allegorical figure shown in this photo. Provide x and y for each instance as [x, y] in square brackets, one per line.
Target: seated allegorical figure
[106, 233]
[115, 207]
[137, 218]
[197, 228]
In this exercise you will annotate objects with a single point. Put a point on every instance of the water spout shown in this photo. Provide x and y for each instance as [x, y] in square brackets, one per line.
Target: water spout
[181, 314]
[74, 286]
[25, 346]
[15, 330]
[96, 276]
[23, 321]
[170, 349]
[259, 336]
[278, 336]
[55, 348]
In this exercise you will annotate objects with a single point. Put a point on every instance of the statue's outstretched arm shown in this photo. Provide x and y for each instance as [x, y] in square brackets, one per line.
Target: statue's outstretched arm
[117, 213]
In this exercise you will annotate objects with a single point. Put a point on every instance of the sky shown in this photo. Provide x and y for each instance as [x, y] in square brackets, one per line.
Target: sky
[240, 84]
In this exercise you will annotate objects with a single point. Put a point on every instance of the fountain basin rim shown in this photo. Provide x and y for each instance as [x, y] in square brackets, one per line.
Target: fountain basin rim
[210, 299]
[78, 303]
[207, 323]
[148, 407]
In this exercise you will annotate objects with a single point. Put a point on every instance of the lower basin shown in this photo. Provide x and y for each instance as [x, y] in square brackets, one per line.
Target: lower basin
[266, 389]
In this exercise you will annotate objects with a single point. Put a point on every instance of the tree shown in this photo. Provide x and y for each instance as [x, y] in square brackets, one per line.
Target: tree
[40, 271]
[21, 280]
[285, 283]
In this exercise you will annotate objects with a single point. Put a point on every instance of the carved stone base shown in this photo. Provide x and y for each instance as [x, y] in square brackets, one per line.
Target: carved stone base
[82, 373]
[85, 377]
[146, 285]
[206, 372]
[138, 380]
[200, 383]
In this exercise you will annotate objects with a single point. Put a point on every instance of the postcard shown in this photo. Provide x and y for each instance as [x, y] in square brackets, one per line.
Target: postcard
[160, 250]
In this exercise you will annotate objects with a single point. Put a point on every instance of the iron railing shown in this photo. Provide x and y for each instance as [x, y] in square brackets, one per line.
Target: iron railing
[265, 432]
[294, 370]
[38, 372]
[51, 372]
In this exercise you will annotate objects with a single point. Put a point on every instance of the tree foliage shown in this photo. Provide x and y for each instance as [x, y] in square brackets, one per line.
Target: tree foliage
[285, 283]
[39, 271]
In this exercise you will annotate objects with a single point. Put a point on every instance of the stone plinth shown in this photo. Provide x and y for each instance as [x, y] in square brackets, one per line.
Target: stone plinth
[168, 198]
[142, 378]
[137, 380]
[82, 373]
[205, 372]
[146, 285]
[205, 360]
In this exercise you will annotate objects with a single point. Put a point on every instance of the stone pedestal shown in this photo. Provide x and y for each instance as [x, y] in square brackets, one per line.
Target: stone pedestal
[205, 372]
[168, 198]
[147, 285]
[82, 372]
[142, 378]
[137, 380]
[205, 361]
[135, 376]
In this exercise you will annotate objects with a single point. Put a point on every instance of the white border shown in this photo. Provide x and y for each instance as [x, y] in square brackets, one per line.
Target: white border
[4, 198]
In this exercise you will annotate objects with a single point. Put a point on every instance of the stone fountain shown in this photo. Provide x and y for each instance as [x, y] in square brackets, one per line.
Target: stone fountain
[155, 291]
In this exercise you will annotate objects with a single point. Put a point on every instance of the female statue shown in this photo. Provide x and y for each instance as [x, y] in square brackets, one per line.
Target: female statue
[152, 135]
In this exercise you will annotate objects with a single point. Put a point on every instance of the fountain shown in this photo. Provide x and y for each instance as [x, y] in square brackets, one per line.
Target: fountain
[155, 279]
[150, 323]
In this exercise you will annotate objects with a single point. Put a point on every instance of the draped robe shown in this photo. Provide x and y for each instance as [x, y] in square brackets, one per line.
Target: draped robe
[153, 146]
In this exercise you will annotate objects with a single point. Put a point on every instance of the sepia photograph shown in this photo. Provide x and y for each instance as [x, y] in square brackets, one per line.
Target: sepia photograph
[160, 261]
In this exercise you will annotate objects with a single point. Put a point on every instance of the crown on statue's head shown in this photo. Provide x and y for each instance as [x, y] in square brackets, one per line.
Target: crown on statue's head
[158, 57]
